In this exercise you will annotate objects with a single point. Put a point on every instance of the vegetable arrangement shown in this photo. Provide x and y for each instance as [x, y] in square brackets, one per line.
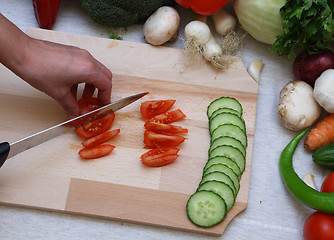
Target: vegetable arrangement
[161, 136]
[46, 12]
[220, 183]
[95, 133]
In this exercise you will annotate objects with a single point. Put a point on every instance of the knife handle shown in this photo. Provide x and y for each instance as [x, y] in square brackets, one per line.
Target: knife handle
[4, 150]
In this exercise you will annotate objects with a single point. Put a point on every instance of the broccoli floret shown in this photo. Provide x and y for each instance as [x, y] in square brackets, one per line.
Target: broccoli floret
[122, 13]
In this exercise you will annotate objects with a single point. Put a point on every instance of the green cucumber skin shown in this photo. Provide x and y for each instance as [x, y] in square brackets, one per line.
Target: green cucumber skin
[324, 156]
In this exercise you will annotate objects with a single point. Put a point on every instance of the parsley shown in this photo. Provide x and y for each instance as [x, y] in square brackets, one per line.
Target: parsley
[307, 25]
[115, 36]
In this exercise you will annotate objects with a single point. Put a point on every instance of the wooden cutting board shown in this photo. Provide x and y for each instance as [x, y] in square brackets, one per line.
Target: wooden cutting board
[51, 176]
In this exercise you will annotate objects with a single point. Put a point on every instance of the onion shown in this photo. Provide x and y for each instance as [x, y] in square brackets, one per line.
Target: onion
[309, 67]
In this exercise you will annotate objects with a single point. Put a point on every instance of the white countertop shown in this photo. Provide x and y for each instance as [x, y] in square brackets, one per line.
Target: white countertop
[272, 213]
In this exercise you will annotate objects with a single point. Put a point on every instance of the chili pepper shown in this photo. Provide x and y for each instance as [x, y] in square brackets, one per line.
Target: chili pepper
[46, 12]
[320, 201]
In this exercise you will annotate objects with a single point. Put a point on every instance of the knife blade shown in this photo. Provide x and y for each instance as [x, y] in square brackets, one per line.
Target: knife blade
[8, 150]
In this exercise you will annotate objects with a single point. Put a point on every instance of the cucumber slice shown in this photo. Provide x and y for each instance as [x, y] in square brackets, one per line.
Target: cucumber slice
[231, 152]
[226, 118]
[226, 140]
[230, 130]
[224, 169]
[224, 110]
[224, 102]
[223, 160]
[220, 177]
[222, 189]
[206, 208]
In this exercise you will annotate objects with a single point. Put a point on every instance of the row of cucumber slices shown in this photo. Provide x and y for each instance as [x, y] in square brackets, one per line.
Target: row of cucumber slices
[220, 182]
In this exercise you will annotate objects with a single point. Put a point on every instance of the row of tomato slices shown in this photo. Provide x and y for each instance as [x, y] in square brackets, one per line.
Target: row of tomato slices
[160, 135]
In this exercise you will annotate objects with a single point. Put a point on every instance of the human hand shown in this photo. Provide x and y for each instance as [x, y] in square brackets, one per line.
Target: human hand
[57, 70]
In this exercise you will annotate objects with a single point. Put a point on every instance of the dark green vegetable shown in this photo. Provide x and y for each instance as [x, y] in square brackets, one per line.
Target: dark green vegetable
[308, 25]
[320, 201]
[121, 13]
[324, 156]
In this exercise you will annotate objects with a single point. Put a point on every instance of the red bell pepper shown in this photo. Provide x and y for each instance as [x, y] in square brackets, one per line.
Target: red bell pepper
[46, 12]
[203, 7]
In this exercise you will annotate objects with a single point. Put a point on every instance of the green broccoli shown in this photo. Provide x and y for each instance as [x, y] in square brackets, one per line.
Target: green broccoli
[122, 13]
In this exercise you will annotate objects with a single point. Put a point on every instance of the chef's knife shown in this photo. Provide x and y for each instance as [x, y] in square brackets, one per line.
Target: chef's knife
[8, 150]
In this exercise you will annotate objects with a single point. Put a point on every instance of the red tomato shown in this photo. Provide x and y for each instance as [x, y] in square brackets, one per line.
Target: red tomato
[88, 104]
[328, 184]
[157, 140]
[168, 117]
[164, 128]
[159, 157]
[97, 126]
[319, 226]
[203, 7]
[149, 109]
[101, 138]
[96, 151]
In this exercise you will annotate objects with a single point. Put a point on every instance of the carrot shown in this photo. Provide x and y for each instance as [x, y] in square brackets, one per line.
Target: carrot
[321, 135]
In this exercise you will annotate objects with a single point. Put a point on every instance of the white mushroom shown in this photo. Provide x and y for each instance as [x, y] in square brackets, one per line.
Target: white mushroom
[161, 26]
[324, 90]
[297, 107]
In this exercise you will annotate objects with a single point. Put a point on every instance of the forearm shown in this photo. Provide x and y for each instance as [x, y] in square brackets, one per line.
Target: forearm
[13, 43]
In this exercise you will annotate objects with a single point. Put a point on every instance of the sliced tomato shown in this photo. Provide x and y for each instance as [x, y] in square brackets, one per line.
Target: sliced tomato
[96, 151]
[164, 128]
[157, 140]
[88, 104]
[168, 117]
[159, 157]
[152, 108]
[101, 138]
[96, 127]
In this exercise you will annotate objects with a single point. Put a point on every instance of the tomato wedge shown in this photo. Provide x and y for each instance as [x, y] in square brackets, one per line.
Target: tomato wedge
[96, 151]
[159, 157]
[88, 104]
[164, 128]
[97, 126]
[157, 140]
[101, 138]
[152, 108]
[168, 117]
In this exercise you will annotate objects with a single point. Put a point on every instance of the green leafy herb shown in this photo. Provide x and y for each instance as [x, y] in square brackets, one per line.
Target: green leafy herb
[308, 25]
[115, 36]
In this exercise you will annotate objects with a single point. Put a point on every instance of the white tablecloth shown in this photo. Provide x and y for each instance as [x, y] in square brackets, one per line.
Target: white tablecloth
[272, 213]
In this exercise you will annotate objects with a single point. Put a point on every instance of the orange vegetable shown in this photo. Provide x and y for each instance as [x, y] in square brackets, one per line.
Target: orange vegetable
[321, 135]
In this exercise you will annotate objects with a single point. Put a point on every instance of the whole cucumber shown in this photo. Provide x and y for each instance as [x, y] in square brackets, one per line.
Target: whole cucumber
[324, 156]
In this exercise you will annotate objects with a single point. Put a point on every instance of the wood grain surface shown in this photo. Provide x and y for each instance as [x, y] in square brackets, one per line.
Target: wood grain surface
[52, 176]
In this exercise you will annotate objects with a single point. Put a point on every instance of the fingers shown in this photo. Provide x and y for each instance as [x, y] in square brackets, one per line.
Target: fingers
[103, 82]
[70, 104]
